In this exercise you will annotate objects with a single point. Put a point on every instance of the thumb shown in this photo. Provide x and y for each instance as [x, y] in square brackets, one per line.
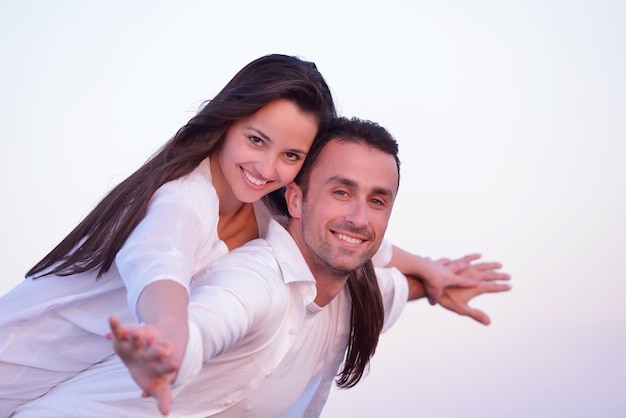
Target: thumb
[434, 294]
[479, 316]
[163, 397]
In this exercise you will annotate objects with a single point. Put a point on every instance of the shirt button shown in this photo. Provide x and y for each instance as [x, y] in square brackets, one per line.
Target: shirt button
[292, 331]
[228, 403]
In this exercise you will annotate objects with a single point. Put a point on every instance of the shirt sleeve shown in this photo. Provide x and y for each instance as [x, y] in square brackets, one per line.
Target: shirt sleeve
[384, 254]
[394, 290]
[164, 246]
[236, 295]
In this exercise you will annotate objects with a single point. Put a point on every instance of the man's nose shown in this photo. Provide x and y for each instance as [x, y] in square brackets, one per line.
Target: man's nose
[358, 213]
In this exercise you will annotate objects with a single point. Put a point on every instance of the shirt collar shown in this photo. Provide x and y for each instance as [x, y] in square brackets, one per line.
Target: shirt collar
[288, 255]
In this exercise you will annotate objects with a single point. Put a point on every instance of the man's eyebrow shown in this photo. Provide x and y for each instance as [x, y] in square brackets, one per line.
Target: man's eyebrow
[383, 191]
[342, 180]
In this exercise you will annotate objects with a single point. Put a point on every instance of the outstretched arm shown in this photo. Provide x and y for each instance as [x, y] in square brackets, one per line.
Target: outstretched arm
[164, 305]
[164, 245]
[456, 299]
[435, 276]
[221, 312]
[151, 358]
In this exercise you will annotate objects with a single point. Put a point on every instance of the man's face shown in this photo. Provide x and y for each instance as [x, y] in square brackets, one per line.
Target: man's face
[344, 215]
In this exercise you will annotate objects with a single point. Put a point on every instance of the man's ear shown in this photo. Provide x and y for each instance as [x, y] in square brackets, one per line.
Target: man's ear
[293, 197]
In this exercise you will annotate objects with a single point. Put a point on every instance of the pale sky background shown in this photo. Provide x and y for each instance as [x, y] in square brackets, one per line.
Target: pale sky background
[511, 119]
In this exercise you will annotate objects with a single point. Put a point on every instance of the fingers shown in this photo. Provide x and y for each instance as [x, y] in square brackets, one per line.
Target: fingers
[459, 305]
[496, 275]
[494, 287]
[456, 267]
[487, 266]
[159, 354]
[468, 258]
[163, 397]
[150, 358]
[461, 281]
[462, 263]
[485, 271]
[119, 332]
[137, 341]
[490, 275]
[475, 314]
[479, 316]
[150, 349]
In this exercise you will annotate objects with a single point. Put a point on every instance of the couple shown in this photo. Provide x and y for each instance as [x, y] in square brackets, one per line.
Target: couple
[272, 321]
[144, 250]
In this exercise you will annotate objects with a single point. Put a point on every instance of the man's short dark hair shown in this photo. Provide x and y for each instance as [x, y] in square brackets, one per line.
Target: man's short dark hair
[347, 130]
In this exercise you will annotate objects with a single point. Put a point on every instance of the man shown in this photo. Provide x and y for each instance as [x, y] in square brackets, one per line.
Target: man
[271, 322]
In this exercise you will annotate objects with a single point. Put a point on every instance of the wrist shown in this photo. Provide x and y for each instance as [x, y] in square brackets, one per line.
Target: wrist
[416, 288]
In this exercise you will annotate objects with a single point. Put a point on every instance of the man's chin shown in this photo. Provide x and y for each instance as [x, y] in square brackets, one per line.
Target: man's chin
[349, 267]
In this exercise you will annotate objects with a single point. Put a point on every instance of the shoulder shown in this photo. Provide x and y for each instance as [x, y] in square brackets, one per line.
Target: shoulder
[198, 183]
[250, 273]
[253, 264]
[192, 195]
[255, 258]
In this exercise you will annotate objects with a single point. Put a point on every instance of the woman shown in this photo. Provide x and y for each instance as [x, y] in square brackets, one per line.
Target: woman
[189, 204]
[135, 254]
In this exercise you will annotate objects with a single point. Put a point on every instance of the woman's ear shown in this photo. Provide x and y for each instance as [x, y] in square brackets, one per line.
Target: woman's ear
[293, 197]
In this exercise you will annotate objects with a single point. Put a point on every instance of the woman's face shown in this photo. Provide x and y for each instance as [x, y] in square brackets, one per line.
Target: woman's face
[265, 151]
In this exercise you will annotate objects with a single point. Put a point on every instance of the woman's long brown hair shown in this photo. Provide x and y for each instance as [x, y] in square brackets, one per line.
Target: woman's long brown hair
[367, 317]
[94, 243]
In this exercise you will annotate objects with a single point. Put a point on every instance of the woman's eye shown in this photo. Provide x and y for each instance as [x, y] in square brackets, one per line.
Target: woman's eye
[292, 156]
[255, 140]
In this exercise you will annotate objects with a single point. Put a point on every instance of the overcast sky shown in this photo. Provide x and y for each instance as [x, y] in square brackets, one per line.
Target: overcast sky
[511, 119]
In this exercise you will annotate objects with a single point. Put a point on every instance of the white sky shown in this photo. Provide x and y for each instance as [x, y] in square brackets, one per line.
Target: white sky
[511, 118]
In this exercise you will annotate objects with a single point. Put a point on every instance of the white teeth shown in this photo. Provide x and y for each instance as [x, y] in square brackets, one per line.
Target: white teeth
[253, 180]
[349, 239]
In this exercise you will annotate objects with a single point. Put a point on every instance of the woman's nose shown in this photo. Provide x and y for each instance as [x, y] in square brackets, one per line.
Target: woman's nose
[267, 167]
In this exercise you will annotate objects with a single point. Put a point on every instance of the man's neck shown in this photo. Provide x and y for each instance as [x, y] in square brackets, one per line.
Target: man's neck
[328, 280]
[327, 288]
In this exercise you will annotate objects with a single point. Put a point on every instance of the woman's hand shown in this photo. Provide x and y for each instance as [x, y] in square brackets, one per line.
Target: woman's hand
[151, 357]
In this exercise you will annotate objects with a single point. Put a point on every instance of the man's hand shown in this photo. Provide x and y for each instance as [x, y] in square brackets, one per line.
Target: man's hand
[442, 274]
[456, 299]
[153, 361]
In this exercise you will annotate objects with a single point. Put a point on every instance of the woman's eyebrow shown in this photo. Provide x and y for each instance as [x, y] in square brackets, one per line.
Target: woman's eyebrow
[260, 133]
[266, 138]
